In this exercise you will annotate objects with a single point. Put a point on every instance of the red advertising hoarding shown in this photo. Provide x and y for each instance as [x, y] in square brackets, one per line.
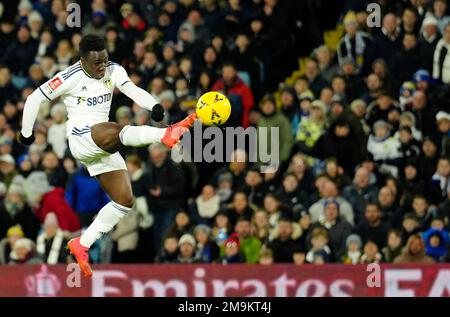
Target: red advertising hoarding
[227, 281]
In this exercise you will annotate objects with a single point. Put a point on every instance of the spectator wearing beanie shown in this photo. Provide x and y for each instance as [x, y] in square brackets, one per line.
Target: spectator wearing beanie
[353, 253]
[207, 249]
[231, 251]
[24, 252]
[7, 244]
[187, 246]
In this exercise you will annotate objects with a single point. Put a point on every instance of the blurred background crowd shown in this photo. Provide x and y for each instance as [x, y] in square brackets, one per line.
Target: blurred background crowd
[364, 132]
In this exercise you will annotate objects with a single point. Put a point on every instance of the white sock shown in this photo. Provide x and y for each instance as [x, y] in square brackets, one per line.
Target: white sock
[140, 135]
[105, 221]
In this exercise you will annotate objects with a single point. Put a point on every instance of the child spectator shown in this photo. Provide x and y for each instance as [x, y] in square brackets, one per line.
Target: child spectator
[353, 254]
[319, 242]
[394, 246]
[371, 254]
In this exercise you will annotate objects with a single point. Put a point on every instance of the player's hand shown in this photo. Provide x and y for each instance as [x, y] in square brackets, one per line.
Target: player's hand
[26, 141]
[157, 113]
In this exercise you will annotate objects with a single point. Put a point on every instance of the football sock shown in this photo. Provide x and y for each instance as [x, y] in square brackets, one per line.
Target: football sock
[141, 135]
[105, 221]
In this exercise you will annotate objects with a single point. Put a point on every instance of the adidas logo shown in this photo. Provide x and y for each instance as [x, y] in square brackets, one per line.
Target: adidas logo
[83, 88]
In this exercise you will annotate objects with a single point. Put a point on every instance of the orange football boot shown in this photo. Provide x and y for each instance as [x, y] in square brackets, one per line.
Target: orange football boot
[81, 255]
[176, 130]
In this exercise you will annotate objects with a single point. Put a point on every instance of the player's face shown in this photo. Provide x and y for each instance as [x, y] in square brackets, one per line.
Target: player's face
[95, 63]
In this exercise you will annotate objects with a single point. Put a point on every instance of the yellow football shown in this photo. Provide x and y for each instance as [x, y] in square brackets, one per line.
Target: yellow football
[213, 108]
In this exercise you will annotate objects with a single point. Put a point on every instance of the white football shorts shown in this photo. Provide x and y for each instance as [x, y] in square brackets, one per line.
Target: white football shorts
[96, 160]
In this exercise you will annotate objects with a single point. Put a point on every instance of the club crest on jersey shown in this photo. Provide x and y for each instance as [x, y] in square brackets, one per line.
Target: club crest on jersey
[107, 83]
[55, 83]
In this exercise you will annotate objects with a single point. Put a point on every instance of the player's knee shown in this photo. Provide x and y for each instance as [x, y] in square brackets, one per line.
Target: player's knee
[126, 201]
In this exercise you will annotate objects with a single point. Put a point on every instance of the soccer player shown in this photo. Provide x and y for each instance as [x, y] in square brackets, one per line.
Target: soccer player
[86, 88]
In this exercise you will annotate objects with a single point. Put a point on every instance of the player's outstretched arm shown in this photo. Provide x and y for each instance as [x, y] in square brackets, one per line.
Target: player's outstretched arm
[140, 96]
[30, 112]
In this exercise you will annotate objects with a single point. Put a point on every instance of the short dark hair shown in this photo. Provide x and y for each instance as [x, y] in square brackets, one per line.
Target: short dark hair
[91, 42]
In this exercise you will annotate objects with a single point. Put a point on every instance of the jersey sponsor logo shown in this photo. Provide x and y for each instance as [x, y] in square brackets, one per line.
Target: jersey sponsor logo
[55, 83]
[98, 100]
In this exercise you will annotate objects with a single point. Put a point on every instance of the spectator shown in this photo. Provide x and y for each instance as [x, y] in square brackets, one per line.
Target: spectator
[24, 252]
[330, 191]
[266, 256]
[164, 182]
[311, 129]
[325, 59]
[51, 199]
[405, 61]
[15, 211]
[126, 237]
[271, 118]
[240, 206]
[393, 247]
[291, 195]
[187, 247]
[221, 228]
[438, 11]
[443, 134]
[206, 206]
[360, 193]
[388, 41]
[314, 79]
[51, 242]
[57, 131]
[7, 244]
[337, 229]
[371, 254]
[207, 249]
[342, 142]
[436, 243]
[85, 196]
[249, 245]
[285, 247]
[353, 254]
[387, 203]
[440, 181]
[182, 224]
[260, 225]
[414, 252]
[232, 253]
[428, 39]
[319, 244]
[254, 186]
[231, 83]
[19, 55]
[373, 228]
[169, 251]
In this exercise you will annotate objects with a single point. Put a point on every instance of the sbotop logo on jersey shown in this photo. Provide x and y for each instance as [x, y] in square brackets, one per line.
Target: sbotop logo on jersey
[95, 101]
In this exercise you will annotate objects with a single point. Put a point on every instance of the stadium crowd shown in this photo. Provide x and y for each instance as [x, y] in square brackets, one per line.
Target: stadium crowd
[364, 133]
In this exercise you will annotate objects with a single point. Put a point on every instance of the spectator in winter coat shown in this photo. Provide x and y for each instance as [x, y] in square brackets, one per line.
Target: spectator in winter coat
[232, 253]
[338, 229]
[360, 193]
[353, 254]
[181, 224]
[206, 206]
[440, 181]
[85, 196]
[371, 254]
[414, 252]
[207, 249]
[373, 228]
[311, 129]
[291, 195]
[56, 135]
[15, 211]
[341, 142]
[7, 244]
[24, 252]
[52, 241]
[436, 243]
[355, 44]
[319, 243]
[388, 41]
[384, 148]
[254, 186]
[428, 39]
[187, 246]
[393, 247]
[284, 247]
[169, 250]
[271, 118]
[330, 191]
[231, 83]
[249, 245]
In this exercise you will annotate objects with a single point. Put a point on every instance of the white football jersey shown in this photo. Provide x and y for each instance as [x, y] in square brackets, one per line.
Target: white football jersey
[88, 100]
